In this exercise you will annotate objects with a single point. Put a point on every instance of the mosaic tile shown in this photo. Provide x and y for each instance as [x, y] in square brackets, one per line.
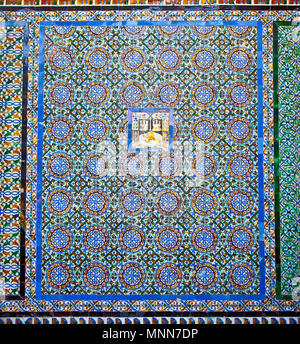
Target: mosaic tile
[143, 3]
[13, 55]
[269, 302]
[286, 73]
[149, 249]
[152, 320]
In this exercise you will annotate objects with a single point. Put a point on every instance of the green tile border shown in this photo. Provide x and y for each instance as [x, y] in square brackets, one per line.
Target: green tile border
[276, 26]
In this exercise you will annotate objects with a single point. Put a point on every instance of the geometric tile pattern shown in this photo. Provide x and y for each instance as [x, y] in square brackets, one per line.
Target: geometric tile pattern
[139, 3]
[121, 225]
[287, 104]
[228, 320]
[13, 62]
[102, 308]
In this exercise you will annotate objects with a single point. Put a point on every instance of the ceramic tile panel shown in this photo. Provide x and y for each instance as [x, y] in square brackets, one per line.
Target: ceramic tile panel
[111, 231]
[115, 224]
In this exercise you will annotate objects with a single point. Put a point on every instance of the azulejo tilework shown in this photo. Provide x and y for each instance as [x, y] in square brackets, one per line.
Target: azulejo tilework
[59, 201]
[133, 59]
[239, 130]
[168, 94]
[169, 166]
[204, 239]
[239, 94]
[240, 165]
[97, 59]
[95, 275]
[132, 202]
[132, 166]
[204, 59]
[169, 59]
[240, 239]
[205, 276]
[204, 165]
[240, 202]
[59, 238]
[60, 165]
[72, 190]
[95, 238]
[204, 129]
[96, 128]
[132, 238]
[239, 59]
[168, 239]
[96, 94]
[204, 202]
[286, 111]
[61, 94]
[168, 202]
[95, 165]
[95, 202]
[62, 130]
[62, 59]
[59, 275]
[255, 320]
[13, 55]
[204, 94]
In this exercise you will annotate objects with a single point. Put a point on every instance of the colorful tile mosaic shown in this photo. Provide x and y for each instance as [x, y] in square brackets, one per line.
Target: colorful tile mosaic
[274, 320]
[103, 233]
[13, 64]
[88, 219]
[144, 3]
[286, 124]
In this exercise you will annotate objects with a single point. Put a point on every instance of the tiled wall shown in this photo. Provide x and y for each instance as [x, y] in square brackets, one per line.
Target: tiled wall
[270, 301]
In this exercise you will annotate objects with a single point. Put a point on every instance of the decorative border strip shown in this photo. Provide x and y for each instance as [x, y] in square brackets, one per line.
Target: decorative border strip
[153, 320]
[276, 26]
[23, 149]
[145, 3]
